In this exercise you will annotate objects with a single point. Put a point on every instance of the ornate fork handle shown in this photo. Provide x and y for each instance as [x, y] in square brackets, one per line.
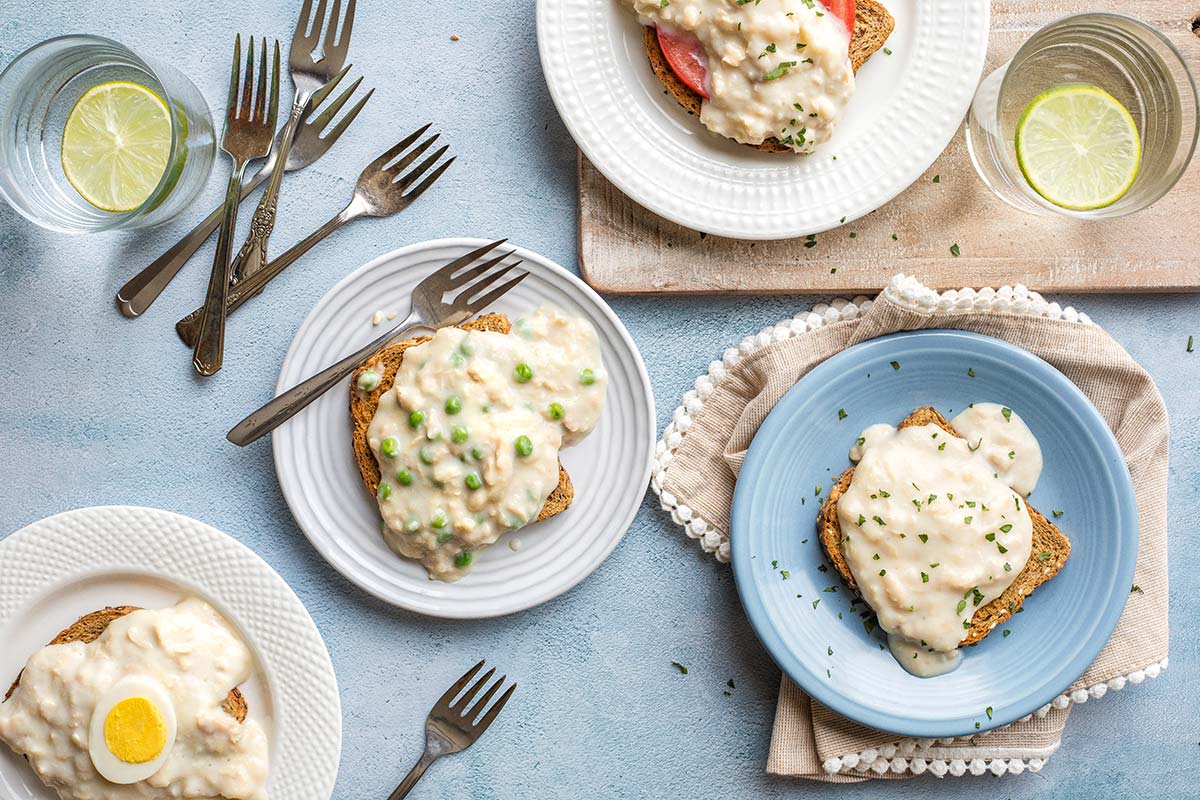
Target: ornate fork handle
[253, 254]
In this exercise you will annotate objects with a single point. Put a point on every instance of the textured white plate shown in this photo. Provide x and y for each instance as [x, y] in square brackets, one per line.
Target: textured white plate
[319, 478]
[62, 567]
[906, 109]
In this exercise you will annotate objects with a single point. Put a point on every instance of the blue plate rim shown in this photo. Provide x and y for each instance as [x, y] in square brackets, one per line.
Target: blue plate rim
[752, 467]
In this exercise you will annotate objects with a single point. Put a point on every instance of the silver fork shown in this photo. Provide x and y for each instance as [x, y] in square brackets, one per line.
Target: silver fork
[248, 129]
[452, 727]
[477, 288]
[380, 192]
[308, 75]
[309, 144]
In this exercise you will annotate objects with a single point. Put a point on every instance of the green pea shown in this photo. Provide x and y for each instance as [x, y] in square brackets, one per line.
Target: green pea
[444, 537]
[368, 380]
[524, 446]
[439, 519]
[523, 373]
[466, 347]
[476, 454]
[457, 359]
[426, 455]
[556, 411]
[453, 404]
[412, 524]
[433, 436]
[384, 491]
[587, 377]
[463, 559]
[416, 418]
[390, 446]
[404, 478]
[460, 433]
[472, 480]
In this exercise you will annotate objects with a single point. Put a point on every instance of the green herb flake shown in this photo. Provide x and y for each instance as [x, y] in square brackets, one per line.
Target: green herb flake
[842, 413]
[988, 711]
[1136, 588]
[937, 178]
[954, 251]
[924, 537]
[1057, 513]
[679, 667]
[924, 577]
[1007, 412]
[896, 365]
[1043, 556]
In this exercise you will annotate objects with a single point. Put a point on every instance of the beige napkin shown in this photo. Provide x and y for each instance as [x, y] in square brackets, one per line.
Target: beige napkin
[704, 447]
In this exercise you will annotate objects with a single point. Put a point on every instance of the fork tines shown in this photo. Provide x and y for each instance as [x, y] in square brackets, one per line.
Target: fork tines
[320, 118]
[337, 36]
[253, 104]
[471, 716]
[395, 161]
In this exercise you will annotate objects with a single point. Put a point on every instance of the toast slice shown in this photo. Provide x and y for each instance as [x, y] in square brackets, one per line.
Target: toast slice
[872, 26]
[364, 404]
[1047, 538]
[88, 628]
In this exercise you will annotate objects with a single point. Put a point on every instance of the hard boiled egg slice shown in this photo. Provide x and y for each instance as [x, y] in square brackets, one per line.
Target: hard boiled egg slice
[132, 730]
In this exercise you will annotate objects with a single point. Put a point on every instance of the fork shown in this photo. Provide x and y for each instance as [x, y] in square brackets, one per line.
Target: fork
[308, 145]
[428, 311]
[248, 129]
[308, 76]
[452, 727]
[380, 192]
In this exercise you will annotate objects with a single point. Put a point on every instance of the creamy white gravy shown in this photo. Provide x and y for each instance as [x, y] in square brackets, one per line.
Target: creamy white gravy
[195, 655]
[776, 68]
[932, 530]
[1005, 441]
[467, 440]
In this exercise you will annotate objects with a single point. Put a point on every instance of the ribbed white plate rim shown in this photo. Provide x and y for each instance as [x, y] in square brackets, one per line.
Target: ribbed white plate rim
[322, 487]
[905, 113]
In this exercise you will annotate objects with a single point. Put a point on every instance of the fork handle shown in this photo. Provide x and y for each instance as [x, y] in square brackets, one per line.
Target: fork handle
[210, 344]
[287, 405]
[253, 254]
[188, 328]
[414, 775]
[144, 288]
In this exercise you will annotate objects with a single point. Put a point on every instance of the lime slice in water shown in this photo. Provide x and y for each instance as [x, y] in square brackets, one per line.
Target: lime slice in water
[116, 145]
[1078, 147]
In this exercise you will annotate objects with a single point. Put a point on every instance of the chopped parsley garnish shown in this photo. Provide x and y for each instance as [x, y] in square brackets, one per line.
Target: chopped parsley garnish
[1057, 513]
[988, 711]
[1006, 527]
[879, 519]
[924, 537]
[861, 520]
[1190, 347]
[679, 667]
[1043, 556]
[1136, 588]
[954, 251]
[1007, 412]
[882, 572]
[924, 577]
[780, 70]
[841, 413]
[1007, 632]
[887, 51]
[896, 365]
[970, 372]
[937, 178]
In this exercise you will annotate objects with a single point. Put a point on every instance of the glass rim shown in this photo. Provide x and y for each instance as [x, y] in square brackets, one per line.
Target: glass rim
[1190, 148]
[152, 200]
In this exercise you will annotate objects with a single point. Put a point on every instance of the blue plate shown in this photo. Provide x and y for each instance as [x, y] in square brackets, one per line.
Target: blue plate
[781, 571]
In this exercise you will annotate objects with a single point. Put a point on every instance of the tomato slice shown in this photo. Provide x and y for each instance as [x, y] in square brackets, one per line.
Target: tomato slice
[687, 58]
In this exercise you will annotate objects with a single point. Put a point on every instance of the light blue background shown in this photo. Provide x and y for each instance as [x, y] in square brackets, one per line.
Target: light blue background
[99, 409]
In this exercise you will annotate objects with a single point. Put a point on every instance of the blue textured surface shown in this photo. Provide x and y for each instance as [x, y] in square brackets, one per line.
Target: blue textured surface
[804, 442]
[100, 409]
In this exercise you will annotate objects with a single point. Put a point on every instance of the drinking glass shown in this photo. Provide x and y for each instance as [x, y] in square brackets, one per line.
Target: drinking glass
[1119, 54]
[37, 93]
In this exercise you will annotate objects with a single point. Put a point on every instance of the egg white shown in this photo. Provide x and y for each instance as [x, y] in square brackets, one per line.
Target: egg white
[108, 765]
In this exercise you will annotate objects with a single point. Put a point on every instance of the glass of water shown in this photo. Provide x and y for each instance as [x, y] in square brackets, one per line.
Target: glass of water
[94, 91]
[1105, 63]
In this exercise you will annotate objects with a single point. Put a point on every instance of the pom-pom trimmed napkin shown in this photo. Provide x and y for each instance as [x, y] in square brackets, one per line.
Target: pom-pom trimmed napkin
[697, 460]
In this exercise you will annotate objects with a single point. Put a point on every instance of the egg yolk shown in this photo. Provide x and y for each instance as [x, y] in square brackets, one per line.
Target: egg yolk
[134, 731]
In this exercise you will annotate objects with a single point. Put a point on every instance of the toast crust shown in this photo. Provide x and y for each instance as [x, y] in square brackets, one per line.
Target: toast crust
[1047, 538]
[872, 26]
[364, 404]
[88, 628]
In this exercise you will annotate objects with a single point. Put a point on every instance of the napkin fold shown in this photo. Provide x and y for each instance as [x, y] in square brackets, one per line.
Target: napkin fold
[703, 448]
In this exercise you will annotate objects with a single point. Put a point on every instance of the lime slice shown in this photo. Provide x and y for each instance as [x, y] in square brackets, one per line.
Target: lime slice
[116, 145]
[1078, 147]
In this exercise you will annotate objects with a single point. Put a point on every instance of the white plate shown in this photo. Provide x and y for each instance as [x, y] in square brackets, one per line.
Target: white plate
[319, 477]
[906, 109]
[54, 571]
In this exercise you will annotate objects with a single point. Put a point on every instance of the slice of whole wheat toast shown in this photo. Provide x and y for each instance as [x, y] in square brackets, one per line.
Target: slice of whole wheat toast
[1047, 538]
[364, 404]
[872, 26]
[88, 628]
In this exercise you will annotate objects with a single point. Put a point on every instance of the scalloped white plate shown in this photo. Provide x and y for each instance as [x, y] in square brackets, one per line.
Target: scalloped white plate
[906, 109]
[320, 480]
[57, 569]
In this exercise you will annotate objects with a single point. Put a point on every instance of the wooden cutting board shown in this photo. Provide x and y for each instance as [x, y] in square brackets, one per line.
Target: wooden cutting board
[624, 248]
